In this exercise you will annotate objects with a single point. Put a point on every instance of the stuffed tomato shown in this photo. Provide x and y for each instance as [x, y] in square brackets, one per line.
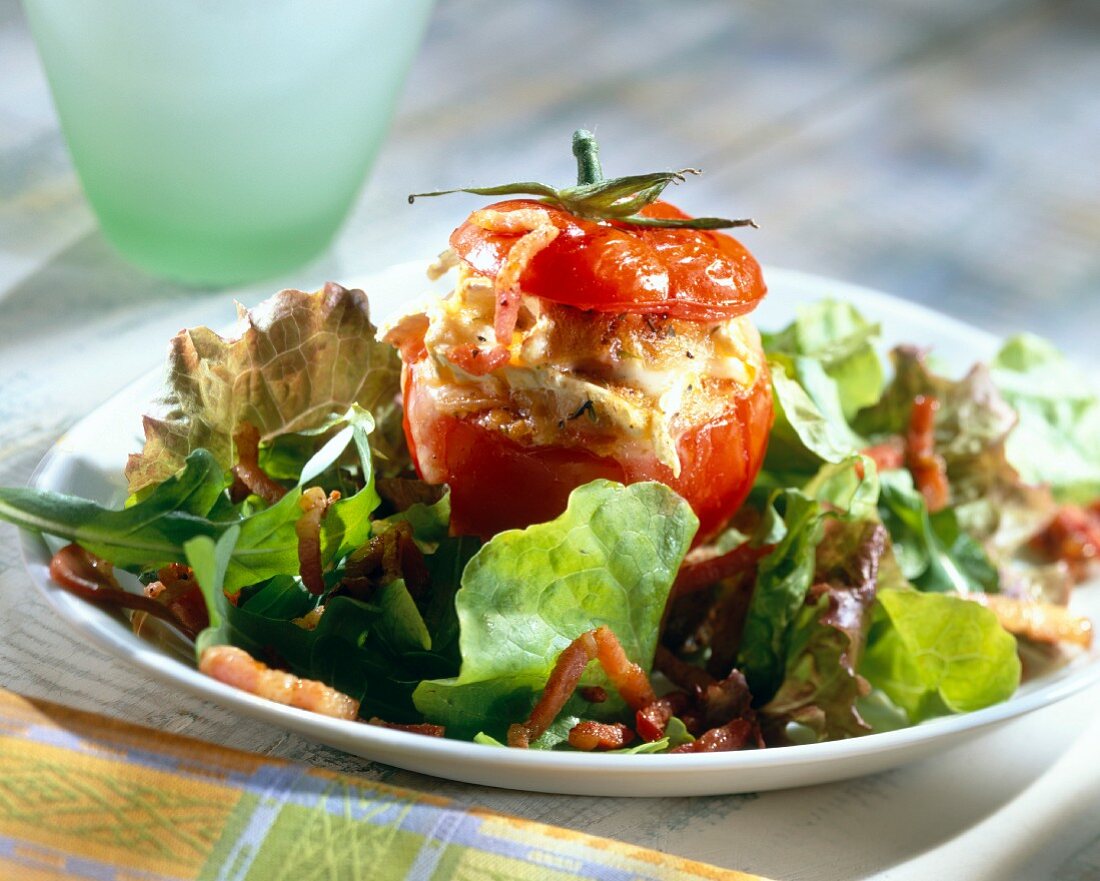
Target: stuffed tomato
[579, 344]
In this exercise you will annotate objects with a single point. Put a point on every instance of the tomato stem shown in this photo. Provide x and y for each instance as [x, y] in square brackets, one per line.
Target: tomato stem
[587, 152]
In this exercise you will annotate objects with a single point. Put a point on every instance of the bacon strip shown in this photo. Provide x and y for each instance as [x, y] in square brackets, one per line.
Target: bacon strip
[732, 736]
[92, 579]
[248, 470]
[600, 644]
[177, 589]
[313, 503]
[888, 455]
[700, 573]
[236, 667]
[1072, 536]
[629, 679]
[928, 469]
[1039, 622]
[560, 686]
[538, 232]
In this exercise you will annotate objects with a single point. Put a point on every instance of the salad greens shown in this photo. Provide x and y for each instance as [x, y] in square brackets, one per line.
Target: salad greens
[850, 617]
[610, 559]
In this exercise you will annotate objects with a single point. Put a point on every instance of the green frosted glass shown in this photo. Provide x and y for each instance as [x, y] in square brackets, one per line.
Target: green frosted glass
[224, 140]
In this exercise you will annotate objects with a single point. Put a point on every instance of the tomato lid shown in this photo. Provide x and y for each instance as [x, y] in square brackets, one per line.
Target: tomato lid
[611, 266]
[608, 245]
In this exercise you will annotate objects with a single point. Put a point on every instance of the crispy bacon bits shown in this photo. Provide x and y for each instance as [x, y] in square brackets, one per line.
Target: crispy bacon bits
[590, 736]
[238, 668]
[718, 712]
[600, 644]
[177, 589]
[387, 556]
[425, 728]
[1073, 537]
[928, 469]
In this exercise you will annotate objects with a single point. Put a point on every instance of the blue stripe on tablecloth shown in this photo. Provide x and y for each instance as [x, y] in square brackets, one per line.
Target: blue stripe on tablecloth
[36, 857]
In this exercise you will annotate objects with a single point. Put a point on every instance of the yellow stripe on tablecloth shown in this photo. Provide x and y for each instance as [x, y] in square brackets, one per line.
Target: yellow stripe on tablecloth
[108, 810]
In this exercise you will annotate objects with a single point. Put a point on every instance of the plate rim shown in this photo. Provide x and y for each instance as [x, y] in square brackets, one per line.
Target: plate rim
[91, 622]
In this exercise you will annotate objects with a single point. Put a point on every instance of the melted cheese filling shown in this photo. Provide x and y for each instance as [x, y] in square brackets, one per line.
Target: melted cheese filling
[610, 382]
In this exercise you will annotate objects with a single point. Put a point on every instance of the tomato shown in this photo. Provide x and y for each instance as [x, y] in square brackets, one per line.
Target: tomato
[497, 483]
[701, 275]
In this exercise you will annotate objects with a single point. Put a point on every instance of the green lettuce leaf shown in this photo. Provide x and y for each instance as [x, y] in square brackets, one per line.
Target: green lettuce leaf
[934, 553]
[610, 559]
[835, 336]
[809, 428]
[300, 360]
[782, 581]
[934, 654]
[209, 561]
[1057, 441]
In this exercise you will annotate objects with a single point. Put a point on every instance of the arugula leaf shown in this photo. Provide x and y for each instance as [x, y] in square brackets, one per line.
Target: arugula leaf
[610, 559]
[154, 530]
[1057, 440]
[146, 535]
[935, 653]
[299, 359]
[208, 561]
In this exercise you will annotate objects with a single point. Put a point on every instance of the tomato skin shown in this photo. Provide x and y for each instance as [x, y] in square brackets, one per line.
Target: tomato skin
[701, 275]
[497, 483]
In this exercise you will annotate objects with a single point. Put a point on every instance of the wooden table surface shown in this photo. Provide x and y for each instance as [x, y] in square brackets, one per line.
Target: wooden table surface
[944, 152]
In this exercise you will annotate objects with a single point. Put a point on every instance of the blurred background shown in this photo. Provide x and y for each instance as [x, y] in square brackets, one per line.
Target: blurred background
[941, 151]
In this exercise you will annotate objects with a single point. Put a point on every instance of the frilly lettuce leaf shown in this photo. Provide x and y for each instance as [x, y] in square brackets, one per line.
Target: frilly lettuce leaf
[300, 360]
[934, 654]
[610, 559]
[820, 687]
[785, 575]
[1057, 441]
[975, 429]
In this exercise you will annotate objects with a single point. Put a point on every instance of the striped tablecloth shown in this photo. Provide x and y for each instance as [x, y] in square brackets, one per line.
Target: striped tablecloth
[84, 796]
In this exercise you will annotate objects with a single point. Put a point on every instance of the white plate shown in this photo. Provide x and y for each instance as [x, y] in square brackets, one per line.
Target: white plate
[87, 462]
